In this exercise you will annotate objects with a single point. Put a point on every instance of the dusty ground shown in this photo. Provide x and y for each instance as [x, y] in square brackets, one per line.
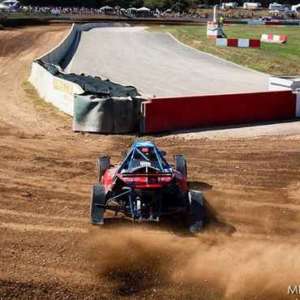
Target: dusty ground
[48, 249]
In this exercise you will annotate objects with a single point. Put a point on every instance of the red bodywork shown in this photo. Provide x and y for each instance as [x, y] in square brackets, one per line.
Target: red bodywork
[143, 181]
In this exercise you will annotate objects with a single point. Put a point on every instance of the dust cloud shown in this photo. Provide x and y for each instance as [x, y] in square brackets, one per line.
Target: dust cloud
[228, 267]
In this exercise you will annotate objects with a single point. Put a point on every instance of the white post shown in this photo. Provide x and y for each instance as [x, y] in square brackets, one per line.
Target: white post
[213, 28]
[215, 14]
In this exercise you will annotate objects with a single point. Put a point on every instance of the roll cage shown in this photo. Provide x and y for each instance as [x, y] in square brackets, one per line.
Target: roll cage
[144, 155]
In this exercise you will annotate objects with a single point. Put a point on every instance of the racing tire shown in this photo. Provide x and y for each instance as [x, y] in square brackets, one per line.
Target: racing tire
[97, 204]
[196, 211]
[180, 164]
[102, 164]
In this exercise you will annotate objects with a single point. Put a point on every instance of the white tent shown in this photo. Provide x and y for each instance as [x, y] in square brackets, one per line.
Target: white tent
[229, 5]
[251, 5]
[106, 8]
[11, 3]
[273, 6]
[296, 7]
[143, 9]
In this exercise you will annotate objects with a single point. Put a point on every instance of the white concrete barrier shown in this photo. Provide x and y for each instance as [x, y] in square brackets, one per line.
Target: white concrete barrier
[243, 43]
[284, 83]
[221, 42]
[52, 89]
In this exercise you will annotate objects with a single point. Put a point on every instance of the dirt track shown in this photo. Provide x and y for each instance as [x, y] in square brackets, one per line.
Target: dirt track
[48, 249]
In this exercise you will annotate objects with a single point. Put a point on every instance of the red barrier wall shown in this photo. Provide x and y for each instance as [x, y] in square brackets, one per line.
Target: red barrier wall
[254, 43]
[166, 114]
[232, 42]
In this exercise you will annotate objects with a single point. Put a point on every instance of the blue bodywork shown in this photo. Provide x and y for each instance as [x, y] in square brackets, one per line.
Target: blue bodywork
[144, 154]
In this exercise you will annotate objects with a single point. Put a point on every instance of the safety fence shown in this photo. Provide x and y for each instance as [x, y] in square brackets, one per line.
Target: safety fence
[179, 113]
[274, 38]
[240, 43]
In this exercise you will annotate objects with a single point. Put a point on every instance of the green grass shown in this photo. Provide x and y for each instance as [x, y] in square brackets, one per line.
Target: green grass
[275, 59]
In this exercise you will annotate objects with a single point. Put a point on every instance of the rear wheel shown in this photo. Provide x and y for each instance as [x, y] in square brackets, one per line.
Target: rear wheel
[196, 211]
[97, 204]
[102, 164]
[180, 164]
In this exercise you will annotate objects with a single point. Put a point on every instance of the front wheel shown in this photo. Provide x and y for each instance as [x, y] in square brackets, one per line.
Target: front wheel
[97, 204]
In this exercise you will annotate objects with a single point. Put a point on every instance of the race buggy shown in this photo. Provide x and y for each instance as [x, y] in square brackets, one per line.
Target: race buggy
[145, 187]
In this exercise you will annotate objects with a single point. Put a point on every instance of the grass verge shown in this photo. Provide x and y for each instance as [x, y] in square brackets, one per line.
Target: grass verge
[275, 59]
[40, 104]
